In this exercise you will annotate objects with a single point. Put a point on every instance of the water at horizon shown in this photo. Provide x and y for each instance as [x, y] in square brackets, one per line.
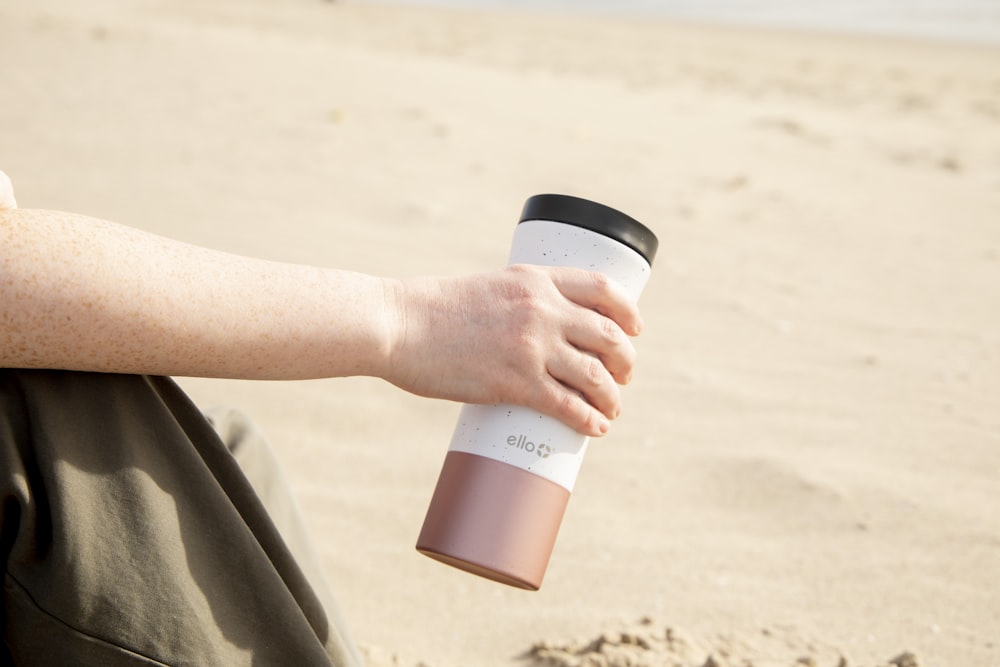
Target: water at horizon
[947, 20]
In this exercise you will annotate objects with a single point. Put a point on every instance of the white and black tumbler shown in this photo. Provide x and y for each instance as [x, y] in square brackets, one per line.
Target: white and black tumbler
[509, 471]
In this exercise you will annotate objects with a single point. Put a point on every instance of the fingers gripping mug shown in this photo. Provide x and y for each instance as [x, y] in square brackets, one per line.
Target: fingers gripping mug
[509, 471]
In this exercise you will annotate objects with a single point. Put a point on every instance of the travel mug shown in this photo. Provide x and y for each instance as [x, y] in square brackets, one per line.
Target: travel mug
[509, 471]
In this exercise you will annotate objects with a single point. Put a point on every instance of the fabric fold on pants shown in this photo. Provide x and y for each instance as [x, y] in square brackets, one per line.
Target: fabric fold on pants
[130, 535]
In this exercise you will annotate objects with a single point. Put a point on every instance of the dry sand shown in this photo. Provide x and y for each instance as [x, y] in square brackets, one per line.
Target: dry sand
[808, 467]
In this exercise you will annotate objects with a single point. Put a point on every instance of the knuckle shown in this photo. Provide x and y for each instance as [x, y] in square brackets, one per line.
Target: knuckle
[591, 421]
[595, 372]
[610, 332]
[556, 401]
[519, 268]
[567, 406]
[601, 282]
[523, 295]
[523, 276]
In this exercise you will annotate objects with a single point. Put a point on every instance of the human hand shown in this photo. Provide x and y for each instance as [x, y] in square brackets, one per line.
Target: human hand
[6, 193]
[552, 339]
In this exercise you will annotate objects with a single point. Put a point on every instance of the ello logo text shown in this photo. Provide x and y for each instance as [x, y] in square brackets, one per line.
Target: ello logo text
[521, 442]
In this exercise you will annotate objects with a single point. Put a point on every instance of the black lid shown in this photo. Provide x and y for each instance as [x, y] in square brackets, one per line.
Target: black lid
[595, 217]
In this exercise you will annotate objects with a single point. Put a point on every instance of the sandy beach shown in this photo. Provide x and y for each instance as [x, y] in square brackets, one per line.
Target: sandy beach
[807, 471]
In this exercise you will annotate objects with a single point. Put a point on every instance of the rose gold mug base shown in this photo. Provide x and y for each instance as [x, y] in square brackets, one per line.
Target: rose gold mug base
[493, 520]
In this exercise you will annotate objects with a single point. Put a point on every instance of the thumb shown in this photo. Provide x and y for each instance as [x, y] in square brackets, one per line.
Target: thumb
[7, 200]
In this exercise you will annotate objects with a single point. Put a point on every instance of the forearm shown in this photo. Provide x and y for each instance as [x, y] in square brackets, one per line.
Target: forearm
[84, 294]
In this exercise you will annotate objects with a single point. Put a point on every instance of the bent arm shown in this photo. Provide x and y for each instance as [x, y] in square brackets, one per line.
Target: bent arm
[83, 294]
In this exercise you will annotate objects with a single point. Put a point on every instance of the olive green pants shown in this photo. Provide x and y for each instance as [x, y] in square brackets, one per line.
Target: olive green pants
[130, 534]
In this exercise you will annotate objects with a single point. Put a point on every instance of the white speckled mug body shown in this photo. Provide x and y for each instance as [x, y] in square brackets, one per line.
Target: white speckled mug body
[479, 520]
[519, 436]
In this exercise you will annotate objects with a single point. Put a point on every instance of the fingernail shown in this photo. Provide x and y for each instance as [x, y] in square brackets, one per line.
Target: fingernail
[603, 425]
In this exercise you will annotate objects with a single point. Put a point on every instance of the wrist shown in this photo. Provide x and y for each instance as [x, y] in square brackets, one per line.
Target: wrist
[393, 329]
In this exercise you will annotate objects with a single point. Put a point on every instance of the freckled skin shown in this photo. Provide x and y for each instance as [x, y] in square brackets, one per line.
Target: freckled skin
[137, 303]
[85, 294]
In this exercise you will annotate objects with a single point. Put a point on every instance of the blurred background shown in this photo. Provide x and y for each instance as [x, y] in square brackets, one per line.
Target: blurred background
[807, 467]
[950, 20]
